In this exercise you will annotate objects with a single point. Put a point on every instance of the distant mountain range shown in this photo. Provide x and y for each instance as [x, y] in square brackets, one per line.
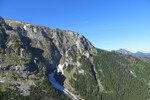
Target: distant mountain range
[123, 51]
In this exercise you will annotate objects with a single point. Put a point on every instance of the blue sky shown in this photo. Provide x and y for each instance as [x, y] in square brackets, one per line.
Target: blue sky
[108, 24]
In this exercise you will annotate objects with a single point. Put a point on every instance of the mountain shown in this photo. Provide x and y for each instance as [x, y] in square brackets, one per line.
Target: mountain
[142, 54]
[123, 51]
[39, 63]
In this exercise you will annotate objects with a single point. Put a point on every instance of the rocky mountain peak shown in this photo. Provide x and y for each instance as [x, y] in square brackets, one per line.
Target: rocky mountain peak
[123, 51]
[30, 49]
[51, 44]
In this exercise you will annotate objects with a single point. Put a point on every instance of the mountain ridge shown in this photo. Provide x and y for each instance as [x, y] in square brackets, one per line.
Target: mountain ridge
[138, 53]
[37, 62]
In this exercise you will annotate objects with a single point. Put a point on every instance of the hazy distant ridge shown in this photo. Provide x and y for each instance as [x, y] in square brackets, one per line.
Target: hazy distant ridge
[142, 54]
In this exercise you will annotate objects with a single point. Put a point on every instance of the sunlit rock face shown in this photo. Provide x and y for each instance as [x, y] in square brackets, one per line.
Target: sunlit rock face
[50, 43]
[25, 48]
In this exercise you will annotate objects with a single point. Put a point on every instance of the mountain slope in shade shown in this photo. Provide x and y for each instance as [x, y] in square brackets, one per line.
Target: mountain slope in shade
[123, 51]
[39, 63]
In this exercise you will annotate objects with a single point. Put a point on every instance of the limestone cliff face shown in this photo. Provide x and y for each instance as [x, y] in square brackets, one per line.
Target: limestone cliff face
[49, 44]
[26, 48]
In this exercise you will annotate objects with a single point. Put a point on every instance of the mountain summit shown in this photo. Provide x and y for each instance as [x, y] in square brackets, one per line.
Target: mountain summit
[40, 63]
[123, 51]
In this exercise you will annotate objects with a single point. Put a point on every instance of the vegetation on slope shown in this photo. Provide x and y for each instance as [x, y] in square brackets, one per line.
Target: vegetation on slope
[115, 72]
